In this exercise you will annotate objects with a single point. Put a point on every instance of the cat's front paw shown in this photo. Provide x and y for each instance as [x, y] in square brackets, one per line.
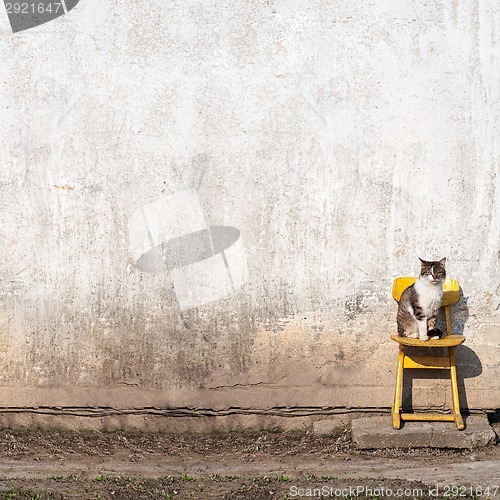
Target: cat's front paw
[424, 338]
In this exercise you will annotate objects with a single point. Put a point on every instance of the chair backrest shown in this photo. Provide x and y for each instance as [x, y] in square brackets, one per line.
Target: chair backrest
[451, 293]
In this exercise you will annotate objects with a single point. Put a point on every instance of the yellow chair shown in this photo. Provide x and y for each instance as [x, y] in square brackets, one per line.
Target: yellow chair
[451, 295]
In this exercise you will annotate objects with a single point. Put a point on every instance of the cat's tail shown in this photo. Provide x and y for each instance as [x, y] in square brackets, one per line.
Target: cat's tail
[435, 334]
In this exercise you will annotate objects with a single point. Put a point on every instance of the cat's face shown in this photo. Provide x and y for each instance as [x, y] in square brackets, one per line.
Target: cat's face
[433, 271]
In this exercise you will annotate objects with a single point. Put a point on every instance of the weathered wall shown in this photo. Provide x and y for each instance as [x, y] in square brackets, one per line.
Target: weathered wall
[342, 140]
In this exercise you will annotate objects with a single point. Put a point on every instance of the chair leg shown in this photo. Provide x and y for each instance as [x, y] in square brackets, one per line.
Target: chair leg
[396, 409]
[454, 390]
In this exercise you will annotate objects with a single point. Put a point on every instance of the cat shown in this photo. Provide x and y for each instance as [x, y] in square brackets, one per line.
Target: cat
[420, 302]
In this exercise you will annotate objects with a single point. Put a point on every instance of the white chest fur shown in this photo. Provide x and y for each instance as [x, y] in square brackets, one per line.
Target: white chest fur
[429, 295]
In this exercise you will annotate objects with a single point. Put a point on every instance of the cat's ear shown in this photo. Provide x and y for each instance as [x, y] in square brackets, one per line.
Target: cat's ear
[423, 266]
[443, 261]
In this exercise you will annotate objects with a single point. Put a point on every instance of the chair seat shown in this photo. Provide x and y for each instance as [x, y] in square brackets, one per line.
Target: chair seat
[448, 341]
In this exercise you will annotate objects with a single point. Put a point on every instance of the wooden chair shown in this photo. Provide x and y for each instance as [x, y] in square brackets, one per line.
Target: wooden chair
[450, 341]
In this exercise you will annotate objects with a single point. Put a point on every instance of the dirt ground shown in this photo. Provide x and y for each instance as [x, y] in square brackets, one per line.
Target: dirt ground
[235, 465]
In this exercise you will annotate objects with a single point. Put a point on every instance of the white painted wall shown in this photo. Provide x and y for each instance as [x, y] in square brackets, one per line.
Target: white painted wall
[342, 139]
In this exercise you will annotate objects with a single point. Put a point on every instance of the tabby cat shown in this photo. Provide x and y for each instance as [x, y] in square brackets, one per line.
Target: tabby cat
[420, 302]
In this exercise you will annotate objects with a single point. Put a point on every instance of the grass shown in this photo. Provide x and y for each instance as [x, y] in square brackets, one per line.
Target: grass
[184, 486]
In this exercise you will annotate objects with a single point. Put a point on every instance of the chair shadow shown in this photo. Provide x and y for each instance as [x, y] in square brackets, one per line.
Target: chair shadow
[467, 361]
[459, 314]
[468, 366]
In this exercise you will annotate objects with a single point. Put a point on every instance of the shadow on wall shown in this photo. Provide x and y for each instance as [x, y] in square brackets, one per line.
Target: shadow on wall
[459, 315]
[468, 366]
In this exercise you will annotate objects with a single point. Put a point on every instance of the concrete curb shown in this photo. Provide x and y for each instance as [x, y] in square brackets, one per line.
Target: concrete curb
[377, 433]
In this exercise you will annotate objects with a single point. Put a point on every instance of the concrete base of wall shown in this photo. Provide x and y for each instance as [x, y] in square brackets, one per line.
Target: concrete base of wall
[320, 421]
[147, 421]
